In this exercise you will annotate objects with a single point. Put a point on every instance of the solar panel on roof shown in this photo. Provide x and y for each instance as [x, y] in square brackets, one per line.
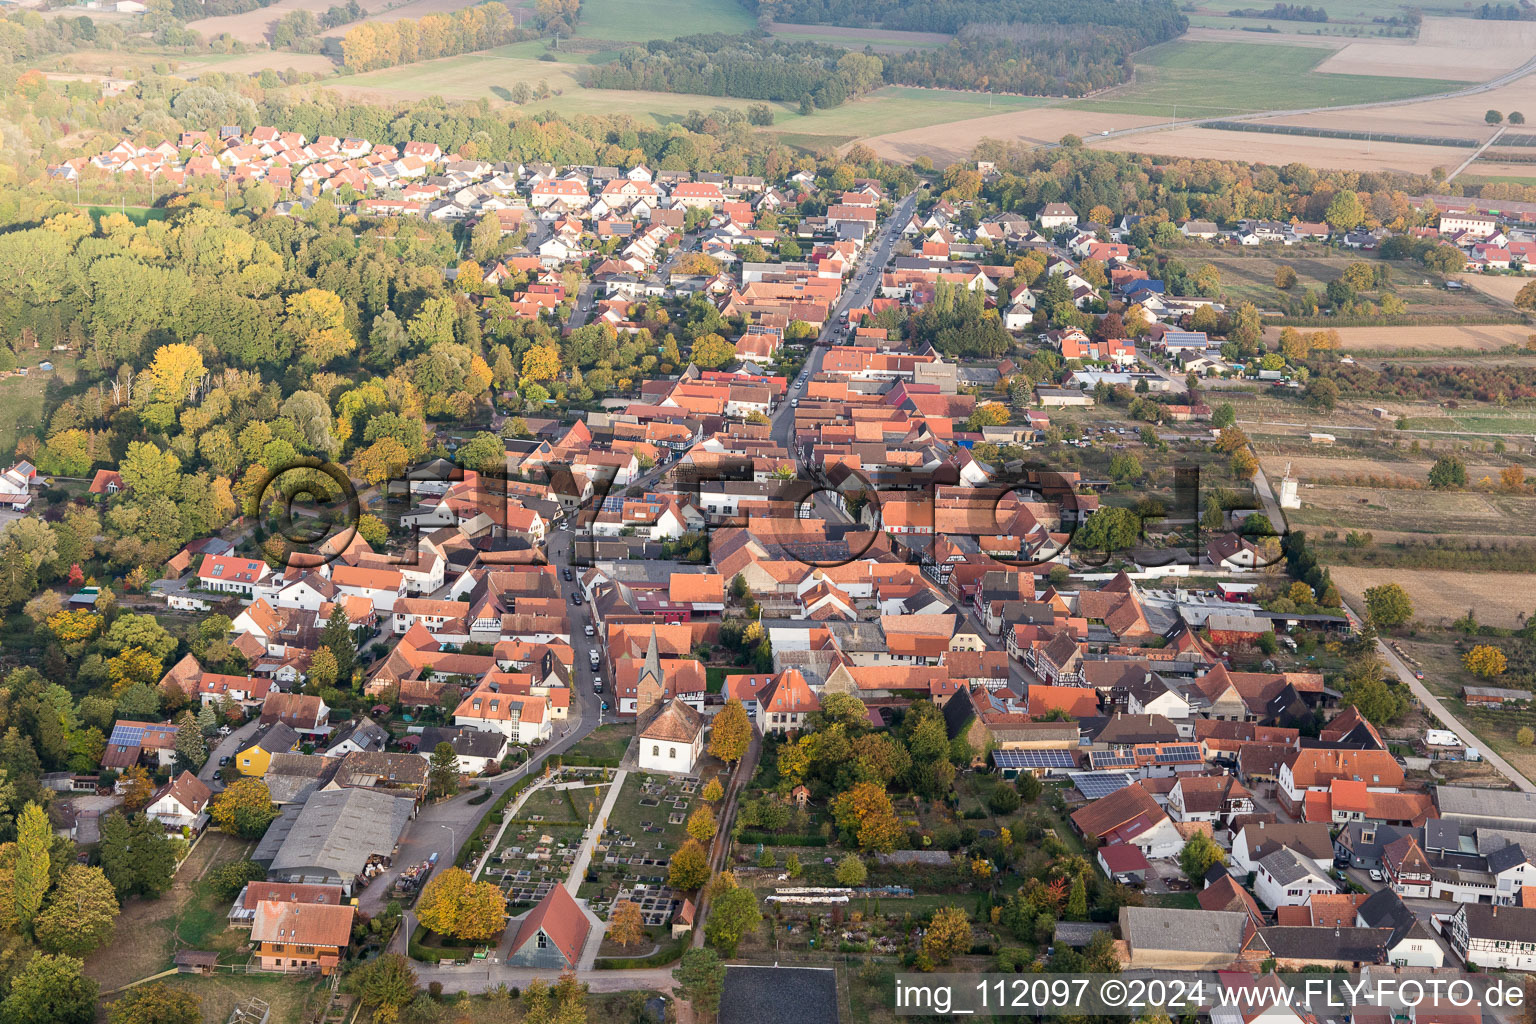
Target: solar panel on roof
[1111, 759]
[1096, 785]
[1181, 752]
[127, 735]
[1033, 758]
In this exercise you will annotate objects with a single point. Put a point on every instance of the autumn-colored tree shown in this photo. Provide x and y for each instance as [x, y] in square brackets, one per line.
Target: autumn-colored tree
[713, 791]
[1525, 736]
[171, 375]
[1388, 605]
[135, 787]
[133, 665]
[1512, 478]
[29, 878]
[948, 936]
[626, 926]
[383, 460]
[155, 1003]
[712, 352]
[454, 905]
[244, 808]
[689, 868]
[1243, 464]
[542, 362]
[80, 912]
[1101, 214]
[1285, 277]
[864, 813]
[730, 733]
[1525, 298]
[317, 321]
[1485, 661]
[702, 825]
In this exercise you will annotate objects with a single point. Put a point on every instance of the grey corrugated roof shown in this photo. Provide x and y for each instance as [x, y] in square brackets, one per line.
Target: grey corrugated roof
[1504, 805]
[1188, 931]
[772, 995]
[338, 830]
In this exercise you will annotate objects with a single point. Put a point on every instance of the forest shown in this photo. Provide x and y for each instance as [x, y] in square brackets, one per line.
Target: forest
[744, 66]
[382, 44]
[1037, 60]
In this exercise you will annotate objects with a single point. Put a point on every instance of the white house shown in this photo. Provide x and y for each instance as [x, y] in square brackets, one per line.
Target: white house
[1488, 935]
[229, 574]
[382, 586]
[1256, 841]
[476, 750]
[671, 738]
[1287, 879]
[179, 804]
[1056, 215]
[521, 718]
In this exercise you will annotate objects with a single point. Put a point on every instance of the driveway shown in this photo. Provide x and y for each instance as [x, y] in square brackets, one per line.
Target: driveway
[228, 746]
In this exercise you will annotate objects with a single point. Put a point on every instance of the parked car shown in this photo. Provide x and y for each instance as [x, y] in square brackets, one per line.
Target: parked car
[1377, 876]
[223, 760]
[589, 629]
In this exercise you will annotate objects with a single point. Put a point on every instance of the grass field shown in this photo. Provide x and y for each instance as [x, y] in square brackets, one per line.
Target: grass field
[660, 19]
[1211, 79]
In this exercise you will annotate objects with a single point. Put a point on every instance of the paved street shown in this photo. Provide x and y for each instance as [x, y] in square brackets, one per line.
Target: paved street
[227, 747]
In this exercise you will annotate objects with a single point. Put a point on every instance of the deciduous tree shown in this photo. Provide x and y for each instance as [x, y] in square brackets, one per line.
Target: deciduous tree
[1388, 605]
[1485, 661]
[50, 990]
[80, 913]
[730, 733]
[689, 868]
[864, 814]
[948, 935]
[627, 926]
[244, 808]
[702, 826]
[452, 904]
[155, 1003]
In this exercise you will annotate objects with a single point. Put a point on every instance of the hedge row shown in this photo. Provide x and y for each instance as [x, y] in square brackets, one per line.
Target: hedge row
[774, 839]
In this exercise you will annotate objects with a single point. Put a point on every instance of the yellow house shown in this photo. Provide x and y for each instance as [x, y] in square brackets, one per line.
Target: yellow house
[256, 758]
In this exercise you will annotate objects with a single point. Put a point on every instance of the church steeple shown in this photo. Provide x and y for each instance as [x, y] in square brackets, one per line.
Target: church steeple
[650, 684]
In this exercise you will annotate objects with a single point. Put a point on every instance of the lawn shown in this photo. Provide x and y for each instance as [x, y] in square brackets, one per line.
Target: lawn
[898, 107]
[1192, 79]
[605, 743]
[149, 931]
[21, 405]
[660, 19]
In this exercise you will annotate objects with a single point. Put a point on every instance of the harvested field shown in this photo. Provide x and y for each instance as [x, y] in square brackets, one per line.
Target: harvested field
[1426, 513]
[1448, 48]
[1500, 286]
[946, 143]
[1445, 596]
[1486, 338]
[1493, 170]
[1331, 154]
[1460, 116]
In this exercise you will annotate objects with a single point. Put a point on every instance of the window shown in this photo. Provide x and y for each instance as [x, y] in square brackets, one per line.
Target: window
[672, 752]
[655, 749]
